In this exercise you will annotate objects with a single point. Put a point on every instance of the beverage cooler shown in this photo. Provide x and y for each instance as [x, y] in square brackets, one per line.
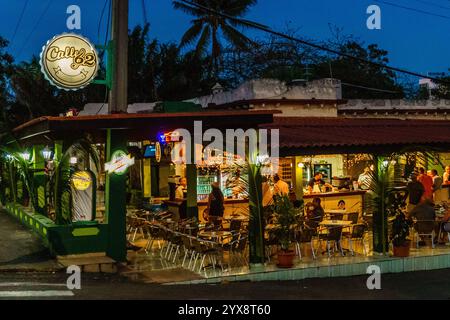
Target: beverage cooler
[206, 176]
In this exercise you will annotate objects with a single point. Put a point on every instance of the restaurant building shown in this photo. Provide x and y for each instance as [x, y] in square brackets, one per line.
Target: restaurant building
[135, 174]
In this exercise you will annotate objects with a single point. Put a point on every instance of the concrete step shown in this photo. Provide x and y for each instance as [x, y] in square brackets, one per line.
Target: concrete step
[90, 262]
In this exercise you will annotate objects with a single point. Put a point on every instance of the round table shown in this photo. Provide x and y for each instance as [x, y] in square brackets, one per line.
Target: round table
[215, 235]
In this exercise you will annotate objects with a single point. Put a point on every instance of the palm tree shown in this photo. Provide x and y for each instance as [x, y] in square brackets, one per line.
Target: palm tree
[384, 198]
[207, 27]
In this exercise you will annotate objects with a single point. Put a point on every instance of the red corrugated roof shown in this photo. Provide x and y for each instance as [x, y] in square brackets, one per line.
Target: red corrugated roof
[337, 132]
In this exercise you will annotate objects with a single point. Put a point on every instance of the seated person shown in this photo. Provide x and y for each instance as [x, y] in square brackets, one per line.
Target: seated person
[341, 205]
[424, 212]
[314, 213]
[444, 225]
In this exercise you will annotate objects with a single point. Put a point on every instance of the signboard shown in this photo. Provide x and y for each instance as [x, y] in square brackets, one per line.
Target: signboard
[83, 199]
[120, 161]
[69, 61]
[158, 152]
[81, 180]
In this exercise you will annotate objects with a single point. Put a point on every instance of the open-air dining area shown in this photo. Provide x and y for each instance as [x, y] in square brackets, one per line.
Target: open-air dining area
[332, 206]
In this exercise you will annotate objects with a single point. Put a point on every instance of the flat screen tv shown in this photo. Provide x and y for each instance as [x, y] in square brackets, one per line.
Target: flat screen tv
[150, 151]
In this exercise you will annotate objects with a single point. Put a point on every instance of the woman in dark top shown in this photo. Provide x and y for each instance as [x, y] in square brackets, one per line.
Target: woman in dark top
[215, 203]
[315, 213]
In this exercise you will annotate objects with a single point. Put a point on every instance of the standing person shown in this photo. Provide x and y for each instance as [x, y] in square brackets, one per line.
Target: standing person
[215, 204]
[280, 187]
[179, 192]
[415, 193]
[427, 183]
[267, 201]
[267, 195]
[437, 186]
[446, 176]
[318, 182]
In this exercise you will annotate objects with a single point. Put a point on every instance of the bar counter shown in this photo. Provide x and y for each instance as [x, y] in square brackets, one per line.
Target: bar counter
[232, 206]
[354, 200]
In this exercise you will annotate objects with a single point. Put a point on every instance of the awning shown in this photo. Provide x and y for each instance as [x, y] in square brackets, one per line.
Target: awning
[301, 136]
[136, 126]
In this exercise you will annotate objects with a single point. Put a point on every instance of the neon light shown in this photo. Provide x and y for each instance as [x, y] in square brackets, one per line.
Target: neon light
[120, 161]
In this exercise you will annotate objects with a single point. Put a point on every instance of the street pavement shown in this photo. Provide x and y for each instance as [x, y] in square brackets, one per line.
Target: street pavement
[21, 249]
[418, 285]
[27, 271]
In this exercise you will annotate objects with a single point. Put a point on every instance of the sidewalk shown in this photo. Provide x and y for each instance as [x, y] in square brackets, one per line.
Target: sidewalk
[21, 250]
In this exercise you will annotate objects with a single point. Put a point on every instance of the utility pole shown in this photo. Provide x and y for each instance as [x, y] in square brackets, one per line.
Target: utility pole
[118, 95]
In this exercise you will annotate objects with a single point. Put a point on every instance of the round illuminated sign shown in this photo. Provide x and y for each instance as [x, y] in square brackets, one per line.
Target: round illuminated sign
[69, 61]
[81, 180]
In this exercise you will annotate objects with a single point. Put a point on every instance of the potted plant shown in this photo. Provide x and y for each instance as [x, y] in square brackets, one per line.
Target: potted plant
[285, 216]
[399, 236]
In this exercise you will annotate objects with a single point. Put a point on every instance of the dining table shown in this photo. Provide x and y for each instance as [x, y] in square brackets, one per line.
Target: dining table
[335, 223]
[216, 235]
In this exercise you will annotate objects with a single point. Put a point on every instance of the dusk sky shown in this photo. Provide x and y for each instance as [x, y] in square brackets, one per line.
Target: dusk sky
[415, 41]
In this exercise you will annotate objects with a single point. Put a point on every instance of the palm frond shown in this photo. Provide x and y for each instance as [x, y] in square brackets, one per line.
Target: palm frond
[237, 8]
[191, 34]
[24, 171]
[188, 9]
[203, 41]
[235, 37]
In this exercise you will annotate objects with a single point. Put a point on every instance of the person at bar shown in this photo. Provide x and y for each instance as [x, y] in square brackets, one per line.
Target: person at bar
[179, 191]
[216, 207]
[427, 183]
[280, 187]
[437, 186]
[317, 184]
[267, 194]
[446, 176]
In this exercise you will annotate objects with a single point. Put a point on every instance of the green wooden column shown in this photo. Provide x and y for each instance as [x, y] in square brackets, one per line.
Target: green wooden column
[40, 179]
[380, 221]
[191, 177]
[115, 200]
[256, 232]
[12, 182]
[191, 205]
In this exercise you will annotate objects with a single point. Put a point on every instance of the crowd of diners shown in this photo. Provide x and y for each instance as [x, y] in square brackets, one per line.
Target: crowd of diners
[425, 192]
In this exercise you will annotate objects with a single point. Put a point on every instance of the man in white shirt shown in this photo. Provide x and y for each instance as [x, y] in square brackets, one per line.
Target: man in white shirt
[280, 187]
[446, 176]
[179, 192]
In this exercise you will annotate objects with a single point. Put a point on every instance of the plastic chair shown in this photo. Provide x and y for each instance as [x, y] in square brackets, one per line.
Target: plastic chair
[424, 228]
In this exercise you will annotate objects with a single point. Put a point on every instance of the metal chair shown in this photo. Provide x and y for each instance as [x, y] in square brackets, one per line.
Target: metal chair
[333, 235]
[446, 228]
[353, 217]
[424, 228]
[357, 234]
[304, 235]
